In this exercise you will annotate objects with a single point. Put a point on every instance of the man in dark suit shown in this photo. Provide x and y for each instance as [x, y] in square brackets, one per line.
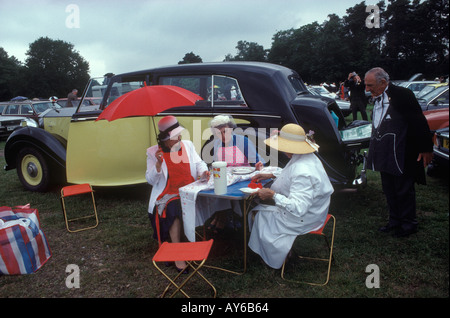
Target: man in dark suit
[400, 148]
[358, 100]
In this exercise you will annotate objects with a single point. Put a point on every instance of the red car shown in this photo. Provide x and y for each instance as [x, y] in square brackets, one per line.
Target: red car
[437, 118]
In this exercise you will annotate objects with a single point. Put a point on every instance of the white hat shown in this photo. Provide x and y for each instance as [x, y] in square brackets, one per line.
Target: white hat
[169, 128]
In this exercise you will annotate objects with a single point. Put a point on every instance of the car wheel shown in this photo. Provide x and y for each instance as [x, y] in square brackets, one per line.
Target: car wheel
[32, 170]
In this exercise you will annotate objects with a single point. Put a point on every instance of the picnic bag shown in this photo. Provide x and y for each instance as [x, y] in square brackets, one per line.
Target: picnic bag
[23, 245]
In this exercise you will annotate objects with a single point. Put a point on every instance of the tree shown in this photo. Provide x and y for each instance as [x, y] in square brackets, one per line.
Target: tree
[248, 51]
[53, 67]
[11, 71]
[191, 58]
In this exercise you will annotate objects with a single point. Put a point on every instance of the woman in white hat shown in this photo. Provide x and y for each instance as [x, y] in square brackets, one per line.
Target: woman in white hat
[171, 164]
[301, 193]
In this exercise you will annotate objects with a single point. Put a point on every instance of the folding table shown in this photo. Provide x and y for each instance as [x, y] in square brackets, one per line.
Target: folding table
[235, 194]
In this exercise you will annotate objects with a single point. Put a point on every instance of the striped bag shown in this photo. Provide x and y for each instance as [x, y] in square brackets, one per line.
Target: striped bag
[23, 245]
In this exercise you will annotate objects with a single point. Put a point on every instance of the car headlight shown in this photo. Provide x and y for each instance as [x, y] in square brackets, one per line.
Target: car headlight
[28, 122]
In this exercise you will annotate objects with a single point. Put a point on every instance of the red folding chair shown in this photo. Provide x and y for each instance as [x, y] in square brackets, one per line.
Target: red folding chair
[328, 259]
[186, 251]
[73, 190]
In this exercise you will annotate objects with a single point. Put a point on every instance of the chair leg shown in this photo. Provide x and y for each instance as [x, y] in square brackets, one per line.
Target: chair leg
[329, 260]
[179, 287]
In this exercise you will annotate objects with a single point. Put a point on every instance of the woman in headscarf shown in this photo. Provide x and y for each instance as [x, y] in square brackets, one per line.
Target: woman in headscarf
[236, 151]
[171, 164]
[301, 194]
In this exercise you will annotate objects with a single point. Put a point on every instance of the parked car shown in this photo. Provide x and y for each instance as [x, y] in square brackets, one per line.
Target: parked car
[8, 124]
[438, 98]
[26, 108]
[429, 88]
[416, 86]
[343, 105]
[440, 162]
[437, 118]
[71, 142]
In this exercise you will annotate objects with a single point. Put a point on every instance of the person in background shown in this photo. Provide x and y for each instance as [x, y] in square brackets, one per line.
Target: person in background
[300, 194]
[72, 98]
[171, 164]
[358, 100]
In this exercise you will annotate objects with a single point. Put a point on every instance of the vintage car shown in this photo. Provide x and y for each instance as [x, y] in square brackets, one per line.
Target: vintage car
[261, 97]
[439, 164]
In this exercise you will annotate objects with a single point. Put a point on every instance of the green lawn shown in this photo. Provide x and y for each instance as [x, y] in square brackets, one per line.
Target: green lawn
[115, 258]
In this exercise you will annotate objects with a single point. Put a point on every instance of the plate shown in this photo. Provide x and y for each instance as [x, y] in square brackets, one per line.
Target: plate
[248, 190]
[245, 170]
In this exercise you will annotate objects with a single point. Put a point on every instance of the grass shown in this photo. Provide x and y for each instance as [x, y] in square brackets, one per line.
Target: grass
[115, 258]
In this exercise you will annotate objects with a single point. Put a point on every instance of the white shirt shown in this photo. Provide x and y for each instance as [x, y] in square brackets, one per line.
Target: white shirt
[380, 108]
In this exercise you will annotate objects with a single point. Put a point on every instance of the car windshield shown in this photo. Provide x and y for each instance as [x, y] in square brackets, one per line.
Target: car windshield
[431, 95]
[298, 85]
[41, 107]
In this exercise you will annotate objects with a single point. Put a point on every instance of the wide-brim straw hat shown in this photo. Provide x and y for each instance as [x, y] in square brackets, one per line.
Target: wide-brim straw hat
[292, 139]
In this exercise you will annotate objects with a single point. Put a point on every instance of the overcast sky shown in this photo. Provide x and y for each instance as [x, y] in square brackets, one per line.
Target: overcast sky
[128, 35]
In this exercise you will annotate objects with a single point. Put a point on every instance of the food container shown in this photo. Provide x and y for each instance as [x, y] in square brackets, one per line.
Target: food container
[220, 177]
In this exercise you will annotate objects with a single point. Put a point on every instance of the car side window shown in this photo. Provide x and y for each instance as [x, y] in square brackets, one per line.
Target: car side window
[215, 90]
[443, 99]
[26, 110]
[2, 107]
[12, 110]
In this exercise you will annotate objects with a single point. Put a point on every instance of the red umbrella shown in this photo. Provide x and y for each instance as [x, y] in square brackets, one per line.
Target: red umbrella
[148, 101]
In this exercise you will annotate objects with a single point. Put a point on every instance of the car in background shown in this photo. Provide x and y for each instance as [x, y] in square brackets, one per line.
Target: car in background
[71, 143]
[440, 162]
[8, 124]
[343, 105]
[26, 108]
[437, 118]
[429, 88]
[435, 99]
[416, 86]
[88, 101]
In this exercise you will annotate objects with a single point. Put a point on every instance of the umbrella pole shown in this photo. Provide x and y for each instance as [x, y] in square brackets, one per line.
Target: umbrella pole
[154, 127]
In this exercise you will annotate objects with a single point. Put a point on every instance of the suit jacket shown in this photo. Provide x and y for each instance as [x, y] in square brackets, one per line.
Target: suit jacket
[403, 133]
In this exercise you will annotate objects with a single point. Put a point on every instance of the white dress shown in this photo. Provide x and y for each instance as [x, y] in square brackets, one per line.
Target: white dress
[302, 198]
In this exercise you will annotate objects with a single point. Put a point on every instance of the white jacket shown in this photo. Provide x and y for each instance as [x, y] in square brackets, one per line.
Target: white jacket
[158, 180]
[302, 198]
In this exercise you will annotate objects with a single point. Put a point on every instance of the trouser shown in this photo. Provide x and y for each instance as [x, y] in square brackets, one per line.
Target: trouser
[401, 199]
[361, 106]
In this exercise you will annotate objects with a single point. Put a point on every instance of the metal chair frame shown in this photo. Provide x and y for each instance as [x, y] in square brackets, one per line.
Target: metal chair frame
[189, 252]
[76, 190]
[329, 259]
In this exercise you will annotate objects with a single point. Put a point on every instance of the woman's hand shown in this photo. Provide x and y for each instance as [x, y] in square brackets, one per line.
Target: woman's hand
[159, 159]
[262, 176]
[205, 176]
[265, 193]
[259, 165]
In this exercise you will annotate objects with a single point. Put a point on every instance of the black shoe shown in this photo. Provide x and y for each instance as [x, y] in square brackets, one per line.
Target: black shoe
[387, 228]
[403, 233]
